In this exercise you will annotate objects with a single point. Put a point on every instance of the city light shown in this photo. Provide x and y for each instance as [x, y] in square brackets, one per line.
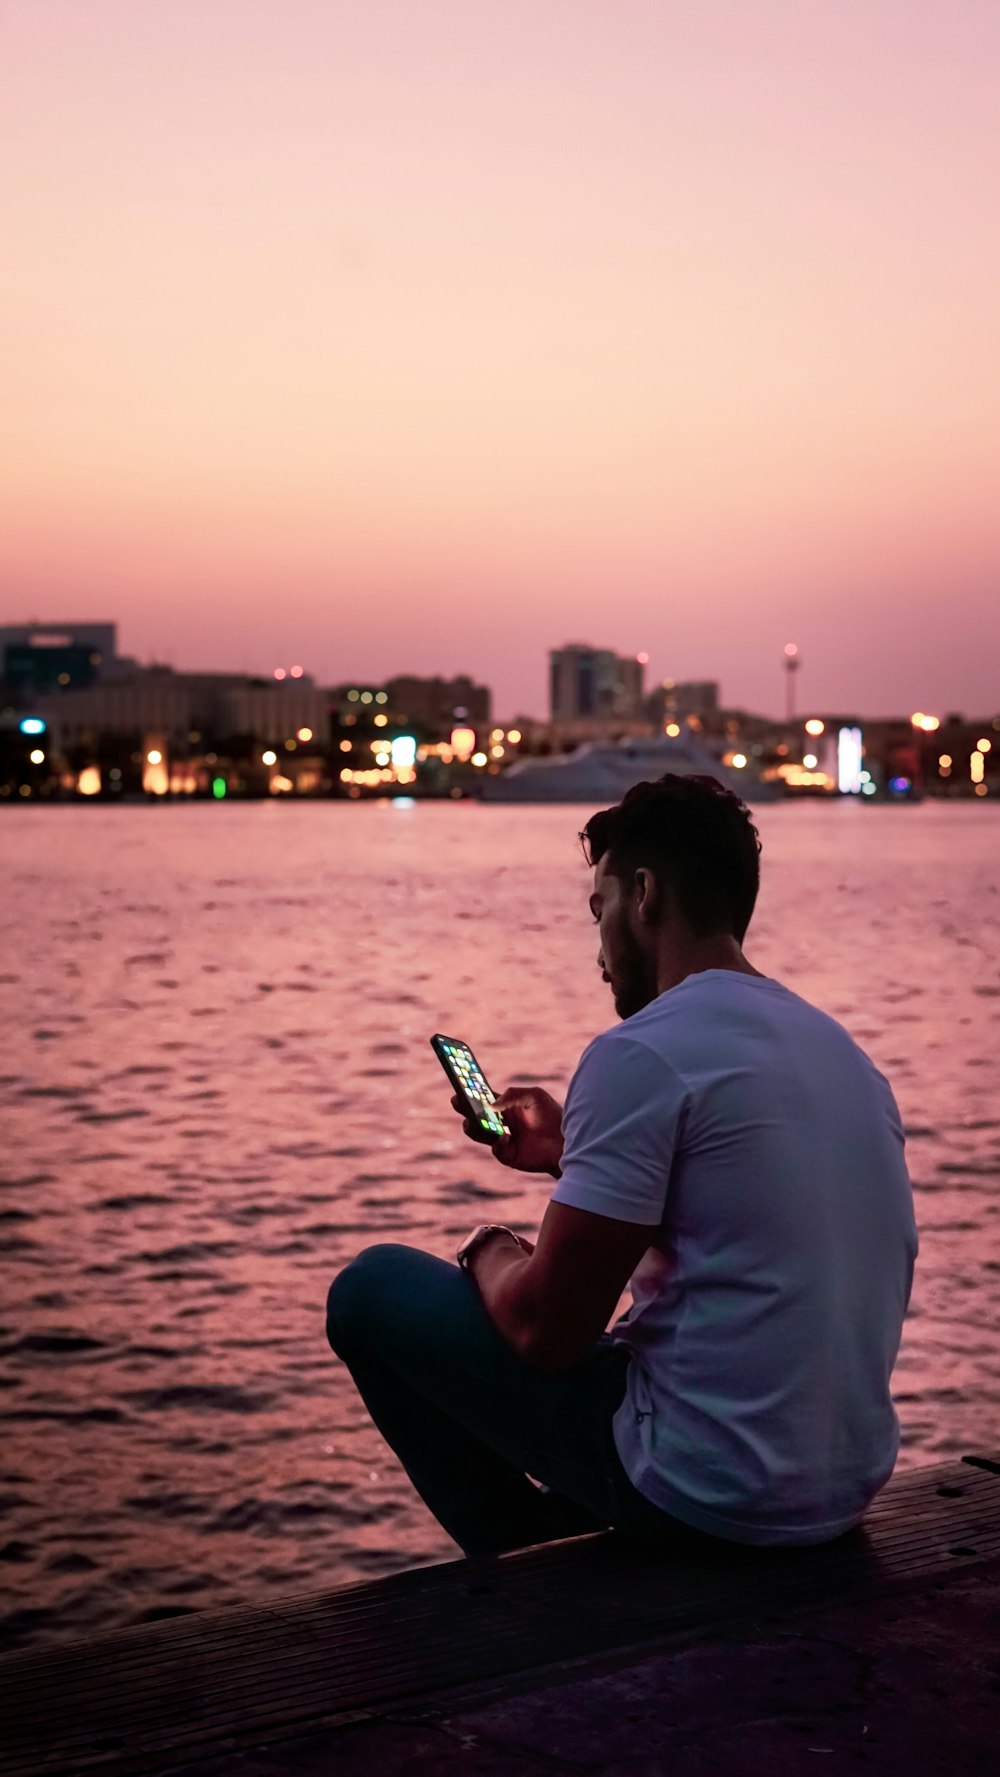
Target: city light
[279, 672]
[381, 720]
[790, 650]
[89, 781]
[496, 734]
[496, 752]
[296, 672]
[899, 785]
[403, 752]
[809, 760]
[815, 726]
[346, 745]
[643, 659]
[31, 725]
[381, 697]
[673, 730]
[463, 741]
[849, 756]
[479, 759]
[270, 757]
[977, 767]
[219, 788]
[304, 734]
[927, 724]
[739, 760]
[155, 776]
[984, 745]
[36, 756]
[513, 735]
[945, 764]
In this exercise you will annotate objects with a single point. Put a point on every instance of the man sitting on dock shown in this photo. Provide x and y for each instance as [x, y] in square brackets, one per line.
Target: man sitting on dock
[727, 1150]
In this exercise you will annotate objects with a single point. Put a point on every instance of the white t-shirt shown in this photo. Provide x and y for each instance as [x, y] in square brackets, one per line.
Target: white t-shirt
[752, 1134]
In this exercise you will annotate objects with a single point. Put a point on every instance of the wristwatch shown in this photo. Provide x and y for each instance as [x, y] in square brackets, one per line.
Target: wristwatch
[478, 1238]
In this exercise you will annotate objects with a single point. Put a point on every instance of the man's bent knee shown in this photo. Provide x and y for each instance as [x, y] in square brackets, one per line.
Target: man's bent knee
[363, 1291]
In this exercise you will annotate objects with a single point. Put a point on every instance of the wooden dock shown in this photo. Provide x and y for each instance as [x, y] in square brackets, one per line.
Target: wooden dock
[881, 1651]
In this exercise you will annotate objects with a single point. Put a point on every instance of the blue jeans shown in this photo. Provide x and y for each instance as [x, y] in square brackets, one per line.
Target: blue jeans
[471, 1422]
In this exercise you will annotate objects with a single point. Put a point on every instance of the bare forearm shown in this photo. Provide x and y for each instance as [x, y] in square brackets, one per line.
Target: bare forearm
[499, 1270]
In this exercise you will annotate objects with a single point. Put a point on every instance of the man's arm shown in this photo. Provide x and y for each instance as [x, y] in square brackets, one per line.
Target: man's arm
[553, 1304]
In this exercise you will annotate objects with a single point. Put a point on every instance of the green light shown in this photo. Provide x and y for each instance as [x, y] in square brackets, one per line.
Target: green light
[218, 787]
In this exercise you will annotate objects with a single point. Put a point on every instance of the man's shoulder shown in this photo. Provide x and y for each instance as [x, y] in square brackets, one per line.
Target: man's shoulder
[631, 1050]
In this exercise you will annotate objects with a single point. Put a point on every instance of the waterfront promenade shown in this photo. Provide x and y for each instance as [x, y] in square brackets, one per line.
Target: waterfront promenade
[879, 1652]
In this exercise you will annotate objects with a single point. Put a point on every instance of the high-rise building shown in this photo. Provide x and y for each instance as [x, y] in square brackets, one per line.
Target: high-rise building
[594, 685]
[39, 657]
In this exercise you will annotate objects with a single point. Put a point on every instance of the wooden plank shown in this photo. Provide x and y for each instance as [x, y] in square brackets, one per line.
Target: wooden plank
[141, 1695]
[296, 1648]
[297, 1624]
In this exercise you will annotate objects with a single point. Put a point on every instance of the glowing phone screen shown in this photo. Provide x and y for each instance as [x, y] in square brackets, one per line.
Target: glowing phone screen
[472, 1081]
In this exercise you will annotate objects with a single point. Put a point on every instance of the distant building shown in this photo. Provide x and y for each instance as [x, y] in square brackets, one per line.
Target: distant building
[274, 711]
[36, 658]
[183, 708]
[437, 705]
[676, 700]
[594, 685]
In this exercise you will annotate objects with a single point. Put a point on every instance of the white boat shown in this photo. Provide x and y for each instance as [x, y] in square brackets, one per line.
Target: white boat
[602, 771]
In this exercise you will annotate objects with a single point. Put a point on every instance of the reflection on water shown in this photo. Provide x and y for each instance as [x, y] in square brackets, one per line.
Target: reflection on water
[217, 1086]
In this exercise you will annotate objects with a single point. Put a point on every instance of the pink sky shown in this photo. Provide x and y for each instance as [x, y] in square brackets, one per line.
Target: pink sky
[406, 335]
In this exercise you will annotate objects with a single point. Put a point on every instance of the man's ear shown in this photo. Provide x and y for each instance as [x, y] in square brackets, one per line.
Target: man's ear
[651, 896]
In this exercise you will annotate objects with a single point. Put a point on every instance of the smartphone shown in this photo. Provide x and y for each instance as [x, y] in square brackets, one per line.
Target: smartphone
[472, 1087]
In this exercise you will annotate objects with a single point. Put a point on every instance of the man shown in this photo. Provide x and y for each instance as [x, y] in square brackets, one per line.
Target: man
[729, 1151]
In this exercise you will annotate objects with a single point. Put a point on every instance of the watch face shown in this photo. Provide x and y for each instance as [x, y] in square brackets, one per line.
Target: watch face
[476, 1239]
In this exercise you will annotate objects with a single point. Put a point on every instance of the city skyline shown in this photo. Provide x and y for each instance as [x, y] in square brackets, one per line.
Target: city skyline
[649, 683]
[401, 339]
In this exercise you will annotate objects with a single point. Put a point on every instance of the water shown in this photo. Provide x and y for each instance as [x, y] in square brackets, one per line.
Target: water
[216, 1087]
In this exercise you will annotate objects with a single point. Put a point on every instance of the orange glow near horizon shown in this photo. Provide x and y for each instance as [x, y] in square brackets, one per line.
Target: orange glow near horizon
[412, 338]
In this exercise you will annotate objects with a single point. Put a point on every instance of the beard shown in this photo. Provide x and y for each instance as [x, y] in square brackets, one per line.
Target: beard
[635, 976]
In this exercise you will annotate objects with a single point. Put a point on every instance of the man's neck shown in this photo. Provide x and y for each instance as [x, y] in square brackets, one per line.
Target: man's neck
[722, 952]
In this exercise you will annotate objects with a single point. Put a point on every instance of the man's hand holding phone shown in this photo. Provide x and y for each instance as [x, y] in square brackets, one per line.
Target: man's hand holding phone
[523, 1126]
[534, 1119]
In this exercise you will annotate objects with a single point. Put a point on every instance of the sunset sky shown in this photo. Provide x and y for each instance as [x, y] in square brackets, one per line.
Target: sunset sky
[415, 335]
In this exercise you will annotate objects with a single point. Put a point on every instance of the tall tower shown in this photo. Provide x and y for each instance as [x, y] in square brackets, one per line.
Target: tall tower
[792, 663]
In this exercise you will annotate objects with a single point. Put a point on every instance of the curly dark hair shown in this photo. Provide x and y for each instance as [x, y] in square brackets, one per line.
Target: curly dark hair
[694, 833]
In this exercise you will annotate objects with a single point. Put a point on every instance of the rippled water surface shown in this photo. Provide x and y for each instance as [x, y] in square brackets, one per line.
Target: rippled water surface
[216, 1087]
